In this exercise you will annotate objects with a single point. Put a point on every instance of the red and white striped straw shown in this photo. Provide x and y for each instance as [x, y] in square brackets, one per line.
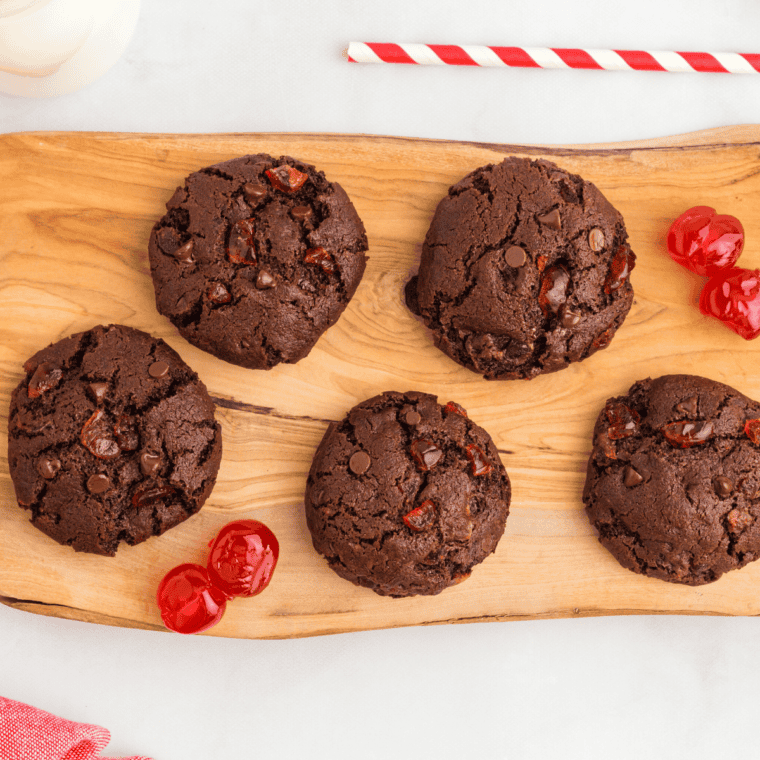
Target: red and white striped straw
[554, 58]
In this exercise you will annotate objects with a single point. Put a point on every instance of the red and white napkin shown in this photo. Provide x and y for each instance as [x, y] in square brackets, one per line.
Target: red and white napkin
[27, 733]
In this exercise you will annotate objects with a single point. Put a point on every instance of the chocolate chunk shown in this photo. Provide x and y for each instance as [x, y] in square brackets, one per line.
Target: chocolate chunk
[596, 239]
[217, 293]
[687, 406]
[359, 462]
[184, 254]
[631, 478]
[570, 318]
[264, 280]
[723, 486]
[515, 256]
[158, 369]
[48, 467]
[97, 391]
[425, 453]
[554, 289]
[301, 213]
[150, 463]
[98, 483]
[254, 192]
[551, 220]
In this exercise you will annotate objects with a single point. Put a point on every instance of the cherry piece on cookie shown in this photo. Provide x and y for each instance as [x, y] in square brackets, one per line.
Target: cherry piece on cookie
[243, 558]
[705, 242]
[188, 600]
[733, 297]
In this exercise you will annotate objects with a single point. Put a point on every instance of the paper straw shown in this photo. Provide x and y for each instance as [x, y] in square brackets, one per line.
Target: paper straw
[553, 58]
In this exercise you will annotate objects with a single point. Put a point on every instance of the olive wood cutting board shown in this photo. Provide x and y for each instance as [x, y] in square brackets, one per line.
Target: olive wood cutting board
[76, 211]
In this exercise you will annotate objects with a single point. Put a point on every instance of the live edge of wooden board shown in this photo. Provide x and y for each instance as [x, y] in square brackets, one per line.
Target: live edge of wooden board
[76, 211]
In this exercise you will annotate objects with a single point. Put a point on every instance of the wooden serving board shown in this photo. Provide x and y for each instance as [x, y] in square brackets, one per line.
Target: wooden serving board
[75, 215]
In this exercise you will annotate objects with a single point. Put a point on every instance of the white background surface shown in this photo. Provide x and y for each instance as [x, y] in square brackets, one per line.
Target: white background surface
[621, 688]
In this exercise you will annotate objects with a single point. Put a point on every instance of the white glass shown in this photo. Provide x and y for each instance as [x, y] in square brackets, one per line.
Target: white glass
[50, 47]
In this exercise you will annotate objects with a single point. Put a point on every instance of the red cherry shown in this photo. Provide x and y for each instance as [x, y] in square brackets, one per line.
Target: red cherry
[44, 378]
[243, 558]
[480, 464]
[286, 178]
[705, 242]
[733, 297]
[320, 257]
[687, 433]
[453, 408]
[422, 517]
[188, 600]
[98, 437]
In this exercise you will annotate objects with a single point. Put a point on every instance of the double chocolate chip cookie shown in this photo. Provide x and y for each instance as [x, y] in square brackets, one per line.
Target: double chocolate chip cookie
[405, 496]
[111, 438]
[525, 268]
[255, 258]
[673, 483]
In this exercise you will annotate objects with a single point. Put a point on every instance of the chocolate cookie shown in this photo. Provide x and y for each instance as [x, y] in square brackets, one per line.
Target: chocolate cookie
[673, 483]
[404, 496]
[111, 437]
[525, 268]
[255, 258]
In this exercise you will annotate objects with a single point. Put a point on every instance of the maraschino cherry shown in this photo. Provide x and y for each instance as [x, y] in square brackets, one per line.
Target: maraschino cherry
[734, 298]
[704, 241]
[189, 601]
[243, 557]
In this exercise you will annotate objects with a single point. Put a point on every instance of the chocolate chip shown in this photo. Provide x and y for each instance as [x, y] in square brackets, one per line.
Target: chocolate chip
[149, 463]
[723, 486]
[184, 253]
[551, 219]
[98, 391]
[410, 415]
[254, 192]
[570, 318]
[301, 213]
[98, 483]
[515, 256]
[631, 478]
[359, 462]
[264, 280]
[158, 369]
[688, 406]
[48, 468]
[596, 239]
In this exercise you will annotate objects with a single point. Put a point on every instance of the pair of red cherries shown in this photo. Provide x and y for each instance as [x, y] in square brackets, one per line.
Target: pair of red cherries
[243, 557]
[709, 244]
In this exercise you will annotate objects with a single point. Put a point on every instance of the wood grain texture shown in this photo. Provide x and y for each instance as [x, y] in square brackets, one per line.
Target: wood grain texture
[76, 211]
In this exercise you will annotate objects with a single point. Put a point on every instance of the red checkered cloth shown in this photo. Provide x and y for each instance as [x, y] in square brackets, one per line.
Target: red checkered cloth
[27, 733]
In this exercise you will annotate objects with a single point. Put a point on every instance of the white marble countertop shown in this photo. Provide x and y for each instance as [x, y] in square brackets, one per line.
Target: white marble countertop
[616, 687]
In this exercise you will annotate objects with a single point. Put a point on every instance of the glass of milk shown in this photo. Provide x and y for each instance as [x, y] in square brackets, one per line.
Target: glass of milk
[51, 47]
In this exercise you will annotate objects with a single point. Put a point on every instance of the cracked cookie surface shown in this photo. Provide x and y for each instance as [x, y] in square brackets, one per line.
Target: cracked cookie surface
[255, 258]
[112, 438]
[405, 496]
[673, 482]
[525, 268]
